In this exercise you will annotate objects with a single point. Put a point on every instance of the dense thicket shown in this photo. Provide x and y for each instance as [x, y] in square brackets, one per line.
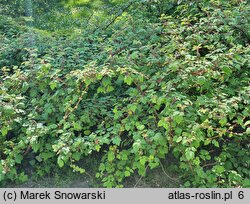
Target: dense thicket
[135, 82]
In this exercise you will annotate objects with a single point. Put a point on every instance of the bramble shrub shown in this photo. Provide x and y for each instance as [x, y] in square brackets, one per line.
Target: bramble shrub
[134, 92]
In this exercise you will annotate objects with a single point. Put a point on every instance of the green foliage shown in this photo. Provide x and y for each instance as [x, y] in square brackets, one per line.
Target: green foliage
[142, 88]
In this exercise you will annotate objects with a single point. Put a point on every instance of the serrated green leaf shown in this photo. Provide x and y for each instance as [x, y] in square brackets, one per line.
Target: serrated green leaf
[111, 156]
[116, 140]
[189, 154]
[179, 139]
[128, 80]
[18, 159]
[60, 162]
[127, 173]
[4, 130]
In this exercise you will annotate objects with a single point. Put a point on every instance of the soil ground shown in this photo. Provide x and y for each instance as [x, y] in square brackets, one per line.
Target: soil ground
[161, 177]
